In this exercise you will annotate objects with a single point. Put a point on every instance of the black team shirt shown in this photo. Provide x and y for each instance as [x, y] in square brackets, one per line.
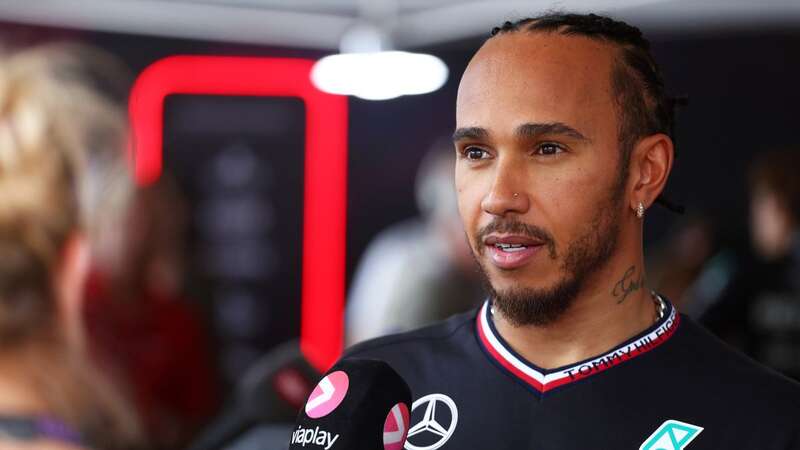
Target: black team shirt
[673, 386]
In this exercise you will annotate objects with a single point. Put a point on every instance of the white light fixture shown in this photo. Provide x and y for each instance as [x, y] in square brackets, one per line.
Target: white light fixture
[368, 69]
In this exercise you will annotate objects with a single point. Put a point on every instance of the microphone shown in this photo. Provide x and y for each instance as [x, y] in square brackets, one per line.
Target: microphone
[360, 404]
[271, 393]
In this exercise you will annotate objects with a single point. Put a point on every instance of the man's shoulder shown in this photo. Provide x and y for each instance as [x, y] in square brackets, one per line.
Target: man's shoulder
[424, 357]
[716, 366]
[447, 333]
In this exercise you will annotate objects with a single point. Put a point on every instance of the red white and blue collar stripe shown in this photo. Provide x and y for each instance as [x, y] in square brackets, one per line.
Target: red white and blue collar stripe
[543, 380]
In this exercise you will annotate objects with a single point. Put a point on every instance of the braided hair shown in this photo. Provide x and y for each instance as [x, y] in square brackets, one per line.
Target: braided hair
[637, 82]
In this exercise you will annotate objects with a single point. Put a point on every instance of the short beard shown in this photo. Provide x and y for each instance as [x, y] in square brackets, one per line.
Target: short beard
[584, 257]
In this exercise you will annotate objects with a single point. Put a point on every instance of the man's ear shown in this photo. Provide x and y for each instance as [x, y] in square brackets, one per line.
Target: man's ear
[651, 163]
[69, 281]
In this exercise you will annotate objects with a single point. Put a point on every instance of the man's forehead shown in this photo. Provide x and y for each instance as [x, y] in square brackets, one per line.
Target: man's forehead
[543, 70]
[528, 50]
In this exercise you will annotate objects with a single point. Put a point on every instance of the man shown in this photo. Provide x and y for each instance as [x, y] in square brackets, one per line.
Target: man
[563, 142]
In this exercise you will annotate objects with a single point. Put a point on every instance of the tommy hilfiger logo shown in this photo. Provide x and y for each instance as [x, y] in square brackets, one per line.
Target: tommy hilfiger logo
[671, 435]
[623, 353]
[544, 380]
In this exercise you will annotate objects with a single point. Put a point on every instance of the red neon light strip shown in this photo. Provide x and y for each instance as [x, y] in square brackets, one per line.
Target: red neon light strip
[325, 195]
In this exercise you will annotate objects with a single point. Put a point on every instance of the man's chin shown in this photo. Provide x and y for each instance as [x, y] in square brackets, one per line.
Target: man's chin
[530, 305]
[504, 284]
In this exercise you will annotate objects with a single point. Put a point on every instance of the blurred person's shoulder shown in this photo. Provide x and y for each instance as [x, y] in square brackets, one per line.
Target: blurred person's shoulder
[22, 432]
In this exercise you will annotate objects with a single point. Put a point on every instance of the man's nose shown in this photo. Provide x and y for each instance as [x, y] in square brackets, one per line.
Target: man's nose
[508, 193]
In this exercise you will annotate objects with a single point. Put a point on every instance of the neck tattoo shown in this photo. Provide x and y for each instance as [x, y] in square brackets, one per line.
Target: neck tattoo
[628, 284]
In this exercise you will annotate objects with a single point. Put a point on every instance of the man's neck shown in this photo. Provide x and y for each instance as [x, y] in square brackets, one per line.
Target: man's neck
[612, 308]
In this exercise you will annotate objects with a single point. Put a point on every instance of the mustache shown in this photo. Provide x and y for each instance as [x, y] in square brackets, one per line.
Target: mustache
[518, 228]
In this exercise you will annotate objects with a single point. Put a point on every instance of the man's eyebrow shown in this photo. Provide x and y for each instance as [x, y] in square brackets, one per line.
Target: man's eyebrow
[538, 129]
[470, 133]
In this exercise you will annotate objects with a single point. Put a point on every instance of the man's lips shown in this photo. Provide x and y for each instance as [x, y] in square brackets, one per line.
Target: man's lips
[511, 251]
[511, 239]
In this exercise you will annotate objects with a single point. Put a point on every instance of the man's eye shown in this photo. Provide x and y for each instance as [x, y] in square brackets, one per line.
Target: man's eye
[549, 148]
[475, 153]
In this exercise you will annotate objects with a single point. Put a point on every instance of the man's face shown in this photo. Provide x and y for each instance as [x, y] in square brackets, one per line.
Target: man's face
[537, 172]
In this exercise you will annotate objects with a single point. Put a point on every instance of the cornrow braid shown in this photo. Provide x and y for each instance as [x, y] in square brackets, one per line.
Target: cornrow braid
[508, 26]
[637, 82]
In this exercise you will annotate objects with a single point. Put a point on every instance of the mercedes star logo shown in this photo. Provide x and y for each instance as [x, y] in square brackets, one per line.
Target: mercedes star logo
[430, 433]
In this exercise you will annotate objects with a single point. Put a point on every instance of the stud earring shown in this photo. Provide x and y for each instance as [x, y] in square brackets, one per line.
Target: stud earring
[516, 195]
[640, 210]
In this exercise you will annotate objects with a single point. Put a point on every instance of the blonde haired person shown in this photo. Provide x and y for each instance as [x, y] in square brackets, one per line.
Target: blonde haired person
[60, 169]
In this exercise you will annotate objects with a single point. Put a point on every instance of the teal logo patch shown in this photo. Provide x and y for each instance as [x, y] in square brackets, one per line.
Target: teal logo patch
[671, 435]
